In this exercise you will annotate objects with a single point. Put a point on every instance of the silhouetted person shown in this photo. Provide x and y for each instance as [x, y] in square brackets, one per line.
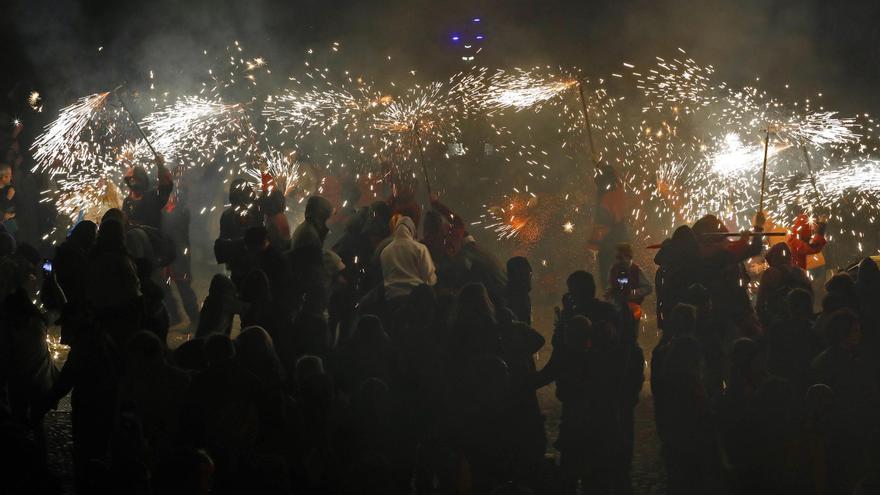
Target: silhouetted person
[856, 397]
[776, 282]
[219, 308]
[588, 371]
[70, 266]
[143, 205]
[793, 343]
[519, 287]
[675, 271]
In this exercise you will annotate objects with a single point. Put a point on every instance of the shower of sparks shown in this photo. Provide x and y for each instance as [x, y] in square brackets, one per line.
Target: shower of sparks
[284, 171]
[60, 146]
[734, 157]
[521, 89]
[193, 129]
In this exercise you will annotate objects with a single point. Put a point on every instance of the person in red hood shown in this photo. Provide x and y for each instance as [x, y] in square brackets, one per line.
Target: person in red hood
[805, 240]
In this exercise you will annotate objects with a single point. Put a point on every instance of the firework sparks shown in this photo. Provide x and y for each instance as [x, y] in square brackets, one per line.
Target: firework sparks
[522, 89]
[192, 129]
[59, 147]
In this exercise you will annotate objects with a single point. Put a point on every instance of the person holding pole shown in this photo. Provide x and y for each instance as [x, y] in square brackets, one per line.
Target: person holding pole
[143, 205]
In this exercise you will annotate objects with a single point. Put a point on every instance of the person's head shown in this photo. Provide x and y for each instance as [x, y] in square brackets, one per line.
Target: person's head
[802, 228]
[434, 224]
[800, 304]
[241, 193]
[5, 174]
[683, 320]
[841, 283]
[136, 179]
[519, 273]
[581, 285]
[369, 333]
[474, 304]
[256, 352]
[255, 287]
[743, 355]
[191, 355]
[308, 366]
[843, 330]
[404, 222]
[114, 214]
[623, 254]
[219, 349]
[256, 238]
[221, 286]
[779, 255]
[318, 209]
[84, 234]
[111, 237]
[144, 349]
[819, 404]
[274, 203]
[708, 224]
[834, 301]
[868, 282]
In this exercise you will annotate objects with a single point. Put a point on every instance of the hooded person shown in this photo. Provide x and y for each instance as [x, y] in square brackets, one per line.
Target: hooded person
[143, 205]
[406, 263]
[804, 240]
[776, 282]
[242, 212]
[722, 270]
[675, 271]
[313, 230]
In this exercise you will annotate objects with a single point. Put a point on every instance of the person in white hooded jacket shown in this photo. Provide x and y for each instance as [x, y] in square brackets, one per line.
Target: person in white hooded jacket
[406, 263]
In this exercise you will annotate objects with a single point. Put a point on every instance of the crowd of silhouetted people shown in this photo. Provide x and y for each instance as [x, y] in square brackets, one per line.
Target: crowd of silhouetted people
[401, 360]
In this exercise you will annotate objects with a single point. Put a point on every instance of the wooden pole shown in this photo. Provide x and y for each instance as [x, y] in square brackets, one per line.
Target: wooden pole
[588, 126]
[136, 125]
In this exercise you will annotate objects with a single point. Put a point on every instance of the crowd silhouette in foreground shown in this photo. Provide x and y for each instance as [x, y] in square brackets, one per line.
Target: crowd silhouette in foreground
[400, 360]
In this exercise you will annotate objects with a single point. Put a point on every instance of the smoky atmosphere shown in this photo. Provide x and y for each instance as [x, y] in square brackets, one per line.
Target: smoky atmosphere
[431, 248]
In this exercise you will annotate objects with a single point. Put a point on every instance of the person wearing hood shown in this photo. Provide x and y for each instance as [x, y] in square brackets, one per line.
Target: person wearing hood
[313, 230]
[776, 282]
[242, 212]
[675, 271]
[723, 273]
[406, 263]
[806, 240]
[306, 256]
[143, 205]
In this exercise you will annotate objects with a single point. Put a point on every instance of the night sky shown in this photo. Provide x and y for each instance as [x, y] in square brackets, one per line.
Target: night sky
[814, 45]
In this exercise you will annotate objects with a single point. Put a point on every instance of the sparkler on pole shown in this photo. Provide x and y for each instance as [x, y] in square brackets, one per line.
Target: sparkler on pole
[136, 125]
[764, 169]
[587, 124]
[812, 176]
[422, 156]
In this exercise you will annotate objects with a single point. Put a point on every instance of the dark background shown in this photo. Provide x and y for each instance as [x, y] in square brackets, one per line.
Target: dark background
[816, 45]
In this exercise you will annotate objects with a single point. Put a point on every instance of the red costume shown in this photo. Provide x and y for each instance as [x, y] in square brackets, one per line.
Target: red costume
[804, 242]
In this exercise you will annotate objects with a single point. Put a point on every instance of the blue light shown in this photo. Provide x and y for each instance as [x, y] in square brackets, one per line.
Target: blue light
[456, 38]
[476, 19]
[479, 36]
